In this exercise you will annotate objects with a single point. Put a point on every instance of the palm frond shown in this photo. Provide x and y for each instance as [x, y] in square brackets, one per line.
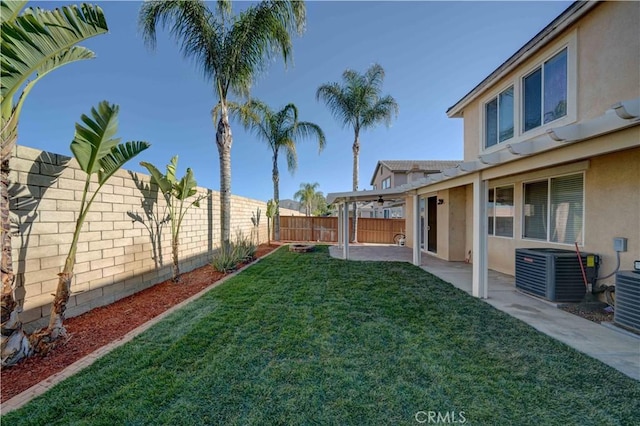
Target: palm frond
[305, 129]
[383, 111]
[291, 153]
[185, 187]
[37, 36]
[9, 10]
[119, 155]
[171, 169]
[191, 24]
[96, 137]
[357, 101]
[76, 53]
[335, 98]
[157, 177]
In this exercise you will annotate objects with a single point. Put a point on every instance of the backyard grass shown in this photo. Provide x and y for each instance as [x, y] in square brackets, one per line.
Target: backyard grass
[307, 339]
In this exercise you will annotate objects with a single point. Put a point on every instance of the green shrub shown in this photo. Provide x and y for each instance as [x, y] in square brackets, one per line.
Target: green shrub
[239, 251]
[245, 247]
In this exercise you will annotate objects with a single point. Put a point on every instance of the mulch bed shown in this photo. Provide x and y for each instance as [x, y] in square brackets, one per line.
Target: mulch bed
[100, 326]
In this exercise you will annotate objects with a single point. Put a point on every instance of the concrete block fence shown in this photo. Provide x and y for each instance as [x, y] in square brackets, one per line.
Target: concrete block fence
[124, 246]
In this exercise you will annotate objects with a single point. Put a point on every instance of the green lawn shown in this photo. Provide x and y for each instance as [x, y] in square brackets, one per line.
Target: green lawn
[307, 339]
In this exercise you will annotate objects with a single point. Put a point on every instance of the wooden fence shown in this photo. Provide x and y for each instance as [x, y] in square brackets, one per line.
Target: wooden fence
[325, 229]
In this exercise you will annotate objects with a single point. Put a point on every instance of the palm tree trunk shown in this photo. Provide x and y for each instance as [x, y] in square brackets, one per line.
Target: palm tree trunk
[224, 141]
[356, 169]
[14, 344]
[276, 197]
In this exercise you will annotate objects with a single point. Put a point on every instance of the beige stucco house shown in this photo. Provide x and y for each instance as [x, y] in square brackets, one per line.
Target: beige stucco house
[394, 173]
[551, 152]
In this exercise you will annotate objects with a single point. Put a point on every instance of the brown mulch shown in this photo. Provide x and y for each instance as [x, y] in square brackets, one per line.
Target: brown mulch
[100, 326]
[592, 310]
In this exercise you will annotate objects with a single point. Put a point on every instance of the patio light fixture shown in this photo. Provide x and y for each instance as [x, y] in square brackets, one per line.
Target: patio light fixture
[380, 201]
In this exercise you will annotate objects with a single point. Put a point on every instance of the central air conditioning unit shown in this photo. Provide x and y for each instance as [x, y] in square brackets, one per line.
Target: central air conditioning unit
[627, 309]
[551, 274]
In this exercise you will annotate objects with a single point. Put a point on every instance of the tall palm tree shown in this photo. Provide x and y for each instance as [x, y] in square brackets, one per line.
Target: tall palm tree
[281, 129]
[34, 43]
[307, 195]
[358, 103]
[230, 51]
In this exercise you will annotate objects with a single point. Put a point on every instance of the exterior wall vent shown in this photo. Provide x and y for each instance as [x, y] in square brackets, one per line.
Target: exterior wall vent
[552, 274]
[627, 309]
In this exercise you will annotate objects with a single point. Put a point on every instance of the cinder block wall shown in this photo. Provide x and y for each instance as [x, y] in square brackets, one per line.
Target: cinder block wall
[124, 246]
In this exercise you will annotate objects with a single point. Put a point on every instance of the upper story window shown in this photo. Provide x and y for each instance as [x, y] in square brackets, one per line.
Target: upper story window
[499, 118]
[386, 183]
[544, 92]
[535, 97]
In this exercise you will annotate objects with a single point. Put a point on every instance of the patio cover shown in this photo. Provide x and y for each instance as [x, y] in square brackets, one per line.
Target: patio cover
[621, 115]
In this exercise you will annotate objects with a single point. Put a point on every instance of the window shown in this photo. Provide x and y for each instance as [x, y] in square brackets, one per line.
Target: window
[386, 183]
[544, 92]
[553, 209]
[499, 118]
[500, 212]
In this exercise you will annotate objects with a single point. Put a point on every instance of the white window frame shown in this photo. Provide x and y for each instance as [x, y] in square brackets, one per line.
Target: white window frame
[543, 71]
[548, 212]
[386, 181]
[513, 215]
[484, 117]
[570, 42]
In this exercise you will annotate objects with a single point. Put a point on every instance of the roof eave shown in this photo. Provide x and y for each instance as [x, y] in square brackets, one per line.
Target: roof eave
[567, 18]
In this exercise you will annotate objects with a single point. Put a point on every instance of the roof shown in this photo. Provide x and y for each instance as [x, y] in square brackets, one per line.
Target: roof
[621, 115]
[401, 166]
[574, 12]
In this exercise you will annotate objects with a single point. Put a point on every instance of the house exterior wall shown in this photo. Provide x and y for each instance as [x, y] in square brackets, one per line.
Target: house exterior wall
[603, 65]
[382, 173]
[611, 209]
[116, 254]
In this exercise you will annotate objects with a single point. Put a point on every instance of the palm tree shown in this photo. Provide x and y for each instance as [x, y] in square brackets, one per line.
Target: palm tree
[230, 51]
[34, 43]
[358, 104]
[280, 129]
[307, 195]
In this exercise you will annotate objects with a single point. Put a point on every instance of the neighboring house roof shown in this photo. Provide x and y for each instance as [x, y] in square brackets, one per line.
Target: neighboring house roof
[403, 166]
[539, 41]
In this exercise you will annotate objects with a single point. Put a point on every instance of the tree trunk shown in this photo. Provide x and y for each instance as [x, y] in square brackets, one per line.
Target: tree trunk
[14, 344]
[174, 250]
[356, 169]
[224, 141]
[276, 197]
[56, 327]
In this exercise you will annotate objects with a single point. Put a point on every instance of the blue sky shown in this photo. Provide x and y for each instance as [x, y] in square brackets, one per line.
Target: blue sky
[433, 54]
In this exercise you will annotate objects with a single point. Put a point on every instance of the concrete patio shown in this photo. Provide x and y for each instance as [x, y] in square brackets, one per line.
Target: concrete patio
[613, 346]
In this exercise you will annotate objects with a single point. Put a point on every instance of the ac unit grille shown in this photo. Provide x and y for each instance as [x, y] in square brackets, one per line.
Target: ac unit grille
[552, 274]
[627, 310]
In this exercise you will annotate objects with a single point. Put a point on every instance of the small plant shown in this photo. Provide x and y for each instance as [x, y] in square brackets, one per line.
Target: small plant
[225, 260]
[255, 219]
[272, 207]
[175, 193]
[245, 248]
[228, 257]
